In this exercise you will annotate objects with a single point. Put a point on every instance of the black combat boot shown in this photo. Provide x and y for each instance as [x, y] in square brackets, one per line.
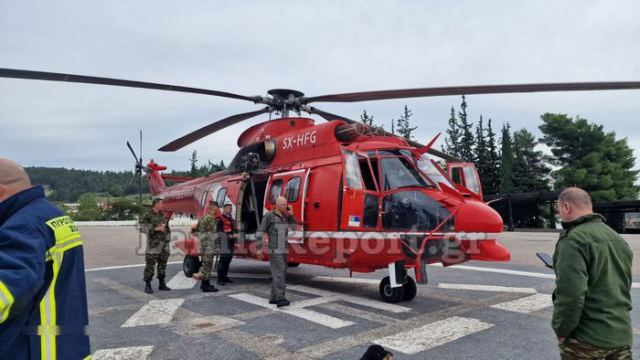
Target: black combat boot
[147, 287]
[162, 285]
[206, 286]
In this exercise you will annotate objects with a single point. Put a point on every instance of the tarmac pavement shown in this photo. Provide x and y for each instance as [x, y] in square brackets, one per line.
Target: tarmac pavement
[472, 311]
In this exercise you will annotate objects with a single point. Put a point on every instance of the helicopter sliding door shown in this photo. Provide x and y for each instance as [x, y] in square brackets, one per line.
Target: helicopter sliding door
[466, 175]
[360, 200]
[293, 186]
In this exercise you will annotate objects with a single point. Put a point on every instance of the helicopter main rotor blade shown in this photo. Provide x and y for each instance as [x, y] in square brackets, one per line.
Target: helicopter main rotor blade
[432, 151]
[133, 152]
[50, 76]
[470, 90]
[210, 129]
[329, 116]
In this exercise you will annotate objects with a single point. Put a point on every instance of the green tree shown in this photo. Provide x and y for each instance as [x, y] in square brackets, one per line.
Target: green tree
[452, 141]
[122, 209]
[481, 153]
[88, 208]
[491, 183]
[590, 158]
[404, 125]
[194, 160]
[506, 160]
[466, 135]
[530, 172]
[367, 119]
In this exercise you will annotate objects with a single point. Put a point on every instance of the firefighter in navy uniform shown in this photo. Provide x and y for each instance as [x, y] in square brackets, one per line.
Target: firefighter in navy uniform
[227, 234]
[43, 298]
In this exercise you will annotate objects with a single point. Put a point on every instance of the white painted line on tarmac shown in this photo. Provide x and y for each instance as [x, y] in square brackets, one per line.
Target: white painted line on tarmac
[348, 280]
[489, 288]
[181, 282]
[125, 266]
[527, 304]
[309, 315]
[156, 312]
[501, 271]
[432, 335]
[352, 299]
[127, 353]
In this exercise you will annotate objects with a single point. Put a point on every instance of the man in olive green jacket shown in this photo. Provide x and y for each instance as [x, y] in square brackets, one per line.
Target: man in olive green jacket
[592, 300]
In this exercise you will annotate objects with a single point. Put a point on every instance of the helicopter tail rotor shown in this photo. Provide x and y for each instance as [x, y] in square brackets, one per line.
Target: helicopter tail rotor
[139, 168]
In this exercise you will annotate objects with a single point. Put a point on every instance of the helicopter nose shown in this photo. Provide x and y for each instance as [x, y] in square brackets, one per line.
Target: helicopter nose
[476, 216]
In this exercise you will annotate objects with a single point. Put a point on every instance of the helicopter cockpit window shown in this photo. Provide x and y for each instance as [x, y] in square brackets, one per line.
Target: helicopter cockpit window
[222, 195]
[413, 210]
[471, 179]
[276, 190]
[293, 188]
[398, 173]
[427, 166]
[352, 170]
[367, 177]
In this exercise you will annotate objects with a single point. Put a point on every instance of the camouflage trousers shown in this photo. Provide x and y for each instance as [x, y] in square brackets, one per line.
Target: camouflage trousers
[574, 349]
[157, 254]
[209, 249]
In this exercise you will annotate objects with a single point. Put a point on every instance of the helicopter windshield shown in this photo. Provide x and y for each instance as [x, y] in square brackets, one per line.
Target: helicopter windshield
[432, 171]
[398, 173]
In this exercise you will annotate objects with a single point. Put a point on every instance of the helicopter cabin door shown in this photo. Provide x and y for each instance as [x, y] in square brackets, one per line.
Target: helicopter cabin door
[466, 175]
[292, 185]
[360, 199]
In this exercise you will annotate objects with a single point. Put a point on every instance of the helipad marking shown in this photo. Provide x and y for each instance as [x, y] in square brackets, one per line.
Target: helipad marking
[432, 335]
[310, 315]
[128, 353]
[352, 299]
[490, 288]
[348, 280]
[181, 282]
[527, 304]
[156, 312]
[125, 266]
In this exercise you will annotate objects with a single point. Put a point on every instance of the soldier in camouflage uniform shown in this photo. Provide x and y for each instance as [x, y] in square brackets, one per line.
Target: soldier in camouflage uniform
[209, 245]
[155, 225]
[592, 300]
[575, 349]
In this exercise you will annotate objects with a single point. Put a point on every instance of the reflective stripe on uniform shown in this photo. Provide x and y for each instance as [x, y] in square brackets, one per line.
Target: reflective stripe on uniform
[6, 302]
[48, 310]
[65, 233]
[64, 229]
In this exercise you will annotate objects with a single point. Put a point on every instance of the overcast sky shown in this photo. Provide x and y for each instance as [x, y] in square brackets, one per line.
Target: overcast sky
[317, 47]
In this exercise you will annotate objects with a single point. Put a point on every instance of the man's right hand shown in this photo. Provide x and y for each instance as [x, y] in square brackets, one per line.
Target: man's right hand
[259, 255]
[160, 227]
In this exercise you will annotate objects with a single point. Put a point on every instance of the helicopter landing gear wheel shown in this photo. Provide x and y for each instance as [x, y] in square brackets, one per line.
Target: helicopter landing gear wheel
[410, 289]
[389, 294]
[190, 265]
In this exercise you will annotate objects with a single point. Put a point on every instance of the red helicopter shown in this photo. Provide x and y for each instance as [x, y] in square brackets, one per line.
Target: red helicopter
[366, 199]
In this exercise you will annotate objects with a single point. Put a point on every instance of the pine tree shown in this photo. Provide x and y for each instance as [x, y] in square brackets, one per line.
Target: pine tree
[481, 153]
[530, 172]
[506, 161]
[404, 125]
[590, 158]
[366, 118]
[193, 160]
[491, 184]
[452, 142]
[466, 138]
